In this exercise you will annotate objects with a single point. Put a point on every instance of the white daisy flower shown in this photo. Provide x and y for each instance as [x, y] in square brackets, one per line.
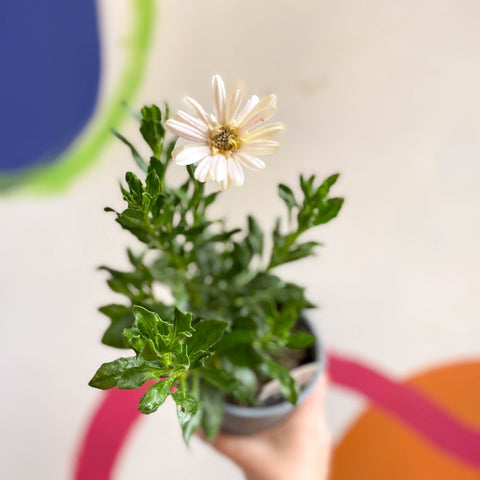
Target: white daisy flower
[228, 139]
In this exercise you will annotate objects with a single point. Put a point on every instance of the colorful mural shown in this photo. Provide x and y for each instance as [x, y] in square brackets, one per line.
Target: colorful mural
[431, 422]
[425, 427]
[52, 52]
[384, 92]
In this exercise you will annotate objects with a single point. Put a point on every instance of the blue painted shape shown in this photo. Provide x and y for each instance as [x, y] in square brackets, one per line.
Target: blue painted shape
[49, 77]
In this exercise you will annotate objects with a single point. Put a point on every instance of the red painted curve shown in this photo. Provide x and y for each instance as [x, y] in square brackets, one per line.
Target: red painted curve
[117, 413]
[106, 433]
[410, 406]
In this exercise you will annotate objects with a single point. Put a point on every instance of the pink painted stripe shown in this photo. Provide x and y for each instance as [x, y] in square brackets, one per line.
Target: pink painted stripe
[409, 406]
[117, 413]
[106, 433]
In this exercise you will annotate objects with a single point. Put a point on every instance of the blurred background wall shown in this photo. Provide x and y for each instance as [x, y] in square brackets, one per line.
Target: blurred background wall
[384, 92]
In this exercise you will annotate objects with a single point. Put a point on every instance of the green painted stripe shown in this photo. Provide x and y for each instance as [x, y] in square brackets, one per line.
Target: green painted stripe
[59, 174]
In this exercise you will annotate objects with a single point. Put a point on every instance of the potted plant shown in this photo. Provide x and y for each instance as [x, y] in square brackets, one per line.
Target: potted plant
[232, 325]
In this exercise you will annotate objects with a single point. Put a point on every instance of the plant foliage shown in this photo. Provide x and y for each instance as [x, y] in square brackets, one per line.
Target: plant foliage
[232, 315]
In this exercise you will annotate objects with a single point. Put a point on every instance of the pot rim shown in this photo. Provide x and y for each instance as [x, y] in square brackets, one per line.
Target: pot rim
[285, 406]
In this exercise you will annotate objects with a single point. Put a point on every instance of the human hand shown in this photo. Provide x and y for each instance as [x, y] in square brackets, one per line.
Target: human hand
[296, 449]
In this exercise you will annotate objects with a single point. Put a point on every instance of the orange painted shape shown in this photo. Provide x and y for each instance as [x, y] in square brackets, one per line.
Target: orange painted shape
[380, 447]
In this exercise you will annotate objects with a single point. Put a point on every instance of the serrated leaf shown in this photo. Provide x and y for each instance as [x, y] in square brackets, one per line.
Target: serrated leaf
[329, 211]
[244, 357]
[300, 340]
[222, 237]
[326, 184]
[288, 386]
[299, 251]
[108, 374]
[135, 339]
[188, 413]
[255, 236]
[136, 377]
[158, 166]
[121, 317]
[224, 381]
[131, 218]
[182, 324]
[235, 339]
[307, 186]
[207, 334]
[287, 196]
[156, 395]
[286, 318]
[152, 128]
[212, 403]
[152, 184]
[150, 324]
[138, 159]
[136, 187]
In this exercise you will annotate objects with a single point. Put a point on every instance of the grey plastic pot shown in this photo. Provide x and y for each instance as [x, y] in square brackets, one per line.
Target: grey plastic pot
[241, 420]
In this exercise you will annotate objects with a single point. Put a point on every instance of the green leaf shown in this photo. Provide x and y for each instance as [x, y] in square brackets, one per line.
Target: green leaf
[241, 256]
[235, 339]
[299, 251]
[300, 340]
[182, 325]
[307, 186]
[207, 334]
[158, 166]
[224, 381]
[108, 374]
[121, 317]
[150, 324]
[135, 339]
[326, 184]
[152, 184]
[288, 386]
[188, 413]
[131, 218]
[152, 128]
[329, 211]
[244, 357]
[287, 196]
[246, 376]
[156, 395]
[212, 403]
[222, 237]
[136, 187]
[255, 236]
[285, 319]
[136, 377]
[138, 159]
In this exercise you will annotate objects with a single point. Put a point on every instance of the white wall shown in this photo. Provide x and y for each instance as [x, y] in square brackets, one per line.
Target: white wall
[385, 92]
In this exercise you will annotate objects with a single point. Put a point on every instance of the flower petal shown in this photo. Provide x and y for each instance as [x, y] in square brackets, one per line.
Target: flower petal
[235, 172]
[261, 112]
[199, 110]
[219, 98]
[187, 154]
[225, 184]
[265, 132]
[234, 99]
[194, 122]
[218, 168]
[250, 161]
[252, 101]
[260, 147]
[201, 172]
[185, 131]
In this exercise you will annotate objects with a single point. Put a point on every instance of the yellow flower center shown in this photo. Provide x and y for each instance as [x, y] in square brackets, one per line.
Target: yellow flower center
[224, 140]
